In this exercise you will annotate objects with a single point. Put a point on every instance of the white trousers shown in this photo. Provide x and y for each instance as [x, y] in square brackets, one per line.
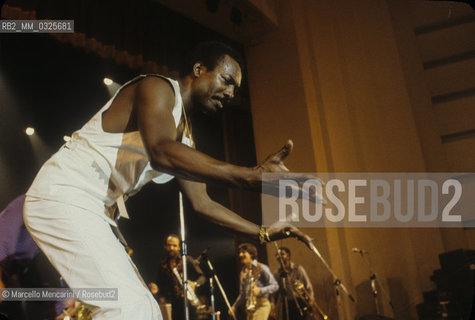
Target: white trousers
[87, 254]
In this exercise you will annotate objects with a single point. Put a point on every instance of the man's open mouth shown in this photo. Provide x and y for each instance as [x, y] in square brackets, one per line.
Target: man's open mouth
[219, 102]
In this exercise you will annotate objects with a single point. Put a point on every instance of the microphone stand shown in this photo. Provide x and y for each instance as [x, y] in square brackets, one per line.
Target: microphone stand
[183, 256]
[374, 283]
[215, 277]
[284, 276]
[213, 307]
[337, 282]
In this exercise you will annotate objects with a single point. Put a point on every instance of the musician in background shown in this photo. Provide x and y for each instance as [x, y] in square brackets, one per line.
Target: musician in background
[171, 290]
[292, 273]
[256, 285]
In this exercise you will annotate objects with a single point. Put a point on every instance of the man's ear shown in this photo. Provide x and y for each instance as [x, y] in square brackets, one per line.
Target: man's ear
[197, 69]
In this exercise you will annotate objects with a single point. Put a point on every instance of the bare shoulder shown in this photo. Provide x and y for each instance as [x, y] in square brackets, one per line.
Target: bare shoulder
[153, 104]
[154, 92]
[145, 96]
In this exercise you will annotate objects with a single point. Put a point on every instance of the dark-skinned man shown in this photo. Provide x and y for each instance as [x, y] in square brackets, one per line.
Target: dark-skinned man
[141, 135]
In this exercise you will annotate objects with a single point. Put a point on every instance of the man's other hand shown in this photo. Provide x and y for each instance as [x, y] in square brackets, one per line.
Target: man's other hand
[282, 230]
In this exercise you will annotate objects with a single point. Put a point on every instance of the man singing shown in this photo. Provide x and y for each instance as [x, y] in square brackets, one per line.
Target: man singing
[141, 134]
[256, 285]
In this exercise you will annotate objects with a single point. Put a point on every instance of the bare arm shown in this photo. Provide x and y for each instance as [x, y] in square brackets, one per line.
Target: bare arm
[154, 100]
[216, 213]
[213, 211]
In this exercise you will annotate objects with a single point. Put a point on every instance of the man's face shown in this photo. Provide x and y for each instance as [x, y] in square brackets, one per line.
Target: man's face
[212, 89]
[172, 247]
[285, 256]
[245, 257]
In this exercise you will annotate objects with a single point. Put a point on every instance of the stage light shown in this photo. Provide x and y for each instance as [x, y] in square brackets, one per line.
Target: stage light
[30, 131]
[66, 138]
[111, 86]
[108, 81]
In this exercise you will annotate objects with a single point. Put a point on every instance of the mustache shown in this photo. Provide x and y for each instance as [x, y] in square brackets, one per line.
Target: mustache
[223, 100]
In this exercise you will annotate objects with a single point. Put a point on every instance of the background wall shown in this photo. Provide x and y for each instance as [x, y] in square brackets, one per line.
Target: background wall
[369, 86]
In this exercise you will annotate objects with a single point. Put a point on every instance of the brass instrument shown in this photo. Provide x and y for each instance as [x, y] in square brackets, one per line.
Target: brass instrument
[190, 295]
[84, 313]
[250, 298]
[78, 311]
[311, 307]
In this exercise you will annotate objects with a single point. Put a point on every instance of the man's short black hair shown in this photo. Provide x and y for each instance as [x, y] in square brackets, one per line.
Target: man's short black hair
[249, 247]
[210, 53]
[287, 250]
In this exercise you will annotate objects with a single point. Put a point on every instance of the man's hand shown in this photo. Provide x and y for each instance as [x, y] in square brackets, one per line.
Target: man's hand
[275, 162]
[192, 284]
[256, 291]
[273, 170]
[282, 230]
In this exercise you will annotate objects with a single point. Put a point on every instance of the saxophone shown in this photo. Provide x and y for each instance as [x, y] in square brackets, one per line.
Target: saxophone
[250, 298]
[84, 313]
[311, 307]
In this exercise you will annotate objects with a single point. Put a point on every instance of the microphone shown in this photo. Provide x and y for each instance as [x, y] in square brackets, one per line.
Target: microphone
[358, 250]
[203, 254]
